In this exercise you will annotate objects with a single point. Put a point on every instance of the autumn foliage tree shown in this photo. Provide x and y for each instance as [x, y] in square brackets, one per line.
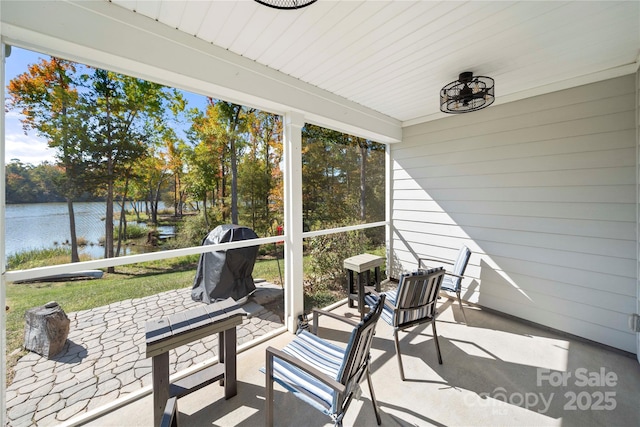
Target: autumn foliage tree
[125, 115]
[99, 122]
[48, 99]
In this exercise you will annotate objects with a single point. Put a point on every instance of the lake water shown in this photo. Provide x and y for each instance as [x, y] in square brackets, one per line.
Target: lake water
[46, 225]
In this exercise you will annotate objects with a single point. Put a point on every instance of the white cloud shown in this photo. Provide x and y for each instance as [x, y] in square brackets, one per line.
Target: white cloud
[27, 148]
[12, 115]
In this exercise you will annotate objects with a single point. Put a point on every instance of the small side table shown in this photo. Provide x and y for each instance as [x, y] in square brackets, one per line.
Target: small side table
[362, 265]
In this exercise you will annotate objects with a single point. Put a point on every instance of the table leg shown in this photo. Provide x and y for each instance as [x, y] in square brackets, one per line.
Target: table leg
[352, 288]
[377, 274]
[230, 369]
[160, 380]
[361, 285]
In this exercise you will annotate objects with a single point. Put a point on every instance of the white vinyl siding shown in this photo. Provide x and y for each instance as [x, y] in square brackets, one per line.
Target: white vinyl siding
[543, 191]
[638, 201]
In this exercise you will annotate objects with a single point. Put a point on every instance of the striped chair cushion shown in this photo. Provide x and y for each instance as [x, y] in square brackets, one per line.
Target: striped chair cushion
[450, 284]
[415, 296]
[461, 261]
[387, 313]
[324, 356]
[454, 283]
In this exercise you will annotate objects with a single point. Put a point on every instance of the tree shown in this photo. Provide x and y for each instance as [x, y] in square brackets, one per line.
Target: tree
[325, 163]
[343, 178]
[19, 185]
[153, 171]
[259, 173]
[175, 163]
[48, 99]
[125, 115]
[206, 159]
[234, 119]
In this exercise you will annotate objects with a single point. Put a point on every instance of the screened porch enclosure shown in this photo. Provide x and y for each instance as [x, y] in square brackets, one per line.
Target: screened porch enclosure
[542, 186]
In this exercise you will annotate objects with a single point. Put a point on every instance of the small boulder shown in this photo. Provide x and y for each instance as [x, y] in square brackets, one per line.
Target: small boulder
[46, 329]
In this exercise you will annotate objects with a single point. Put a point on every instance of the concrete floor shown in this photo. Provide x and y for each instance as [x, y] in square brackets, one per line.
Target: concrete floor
[496, 372]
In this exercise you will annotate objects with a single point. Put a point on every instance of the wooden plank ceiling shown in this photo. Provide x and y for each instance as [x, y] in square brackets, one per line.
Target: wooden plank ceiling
[395, 56]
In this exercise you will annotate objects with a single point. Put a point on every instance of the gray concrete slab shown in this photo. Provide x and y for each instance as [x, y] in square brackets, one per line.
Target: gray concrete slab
[496, 372]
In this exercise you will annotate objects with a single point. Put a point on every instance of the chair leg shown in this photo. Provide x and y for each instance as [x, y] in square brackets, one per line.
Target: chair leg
[373, 396]
[464, 316]
[268, 403]
[395, 336]
[435, 338]
[170, 416]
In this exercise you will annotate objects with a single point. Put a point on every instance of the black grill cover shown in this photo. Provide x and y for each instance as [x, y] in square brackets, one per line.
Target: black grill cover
[224, 274]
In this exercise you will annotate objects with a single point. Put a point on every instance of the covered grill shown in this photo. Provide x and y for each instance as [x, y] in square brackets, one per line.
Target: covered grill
[227, 273]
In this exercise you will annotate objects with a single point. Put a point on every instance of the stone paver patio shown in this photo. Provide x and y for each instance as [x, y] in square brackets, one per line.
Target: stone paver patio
[104, 358]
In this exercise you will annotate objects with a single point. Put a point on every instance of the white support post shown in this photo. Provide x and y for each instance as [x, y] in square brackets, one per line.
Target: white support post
[638, 203]
[293, 242]
[388, 212]
[4, 52]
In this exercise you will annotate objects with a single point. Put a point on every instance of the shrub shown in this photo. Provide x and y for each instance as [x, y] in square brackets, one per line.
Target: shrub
[327, 255]
[134, 231]
[319, 296]
[190, 231]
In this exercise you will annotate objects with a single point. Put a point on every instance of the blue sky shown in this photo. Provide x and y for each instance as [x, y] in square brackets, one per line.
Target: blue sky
[30, 148]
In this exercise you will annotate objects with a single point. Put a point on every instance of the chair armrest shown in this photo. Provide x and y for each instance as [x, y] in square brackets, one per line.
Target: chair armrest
[387, 303]
[391, 306]
[454, 274]
[434, 259]
[448, 273]
[374, 292]
[316, 317]
[331, 382]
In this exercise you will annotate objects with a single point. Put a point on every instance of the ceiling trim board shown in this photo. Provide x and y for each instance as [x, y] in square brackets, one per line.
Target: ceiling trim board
[141, 46]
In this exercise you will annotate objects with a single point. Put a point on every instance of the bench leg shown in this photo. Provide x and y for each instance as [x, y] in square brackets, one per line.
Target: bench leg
[221, 351]
[230, 369]
[160, 378]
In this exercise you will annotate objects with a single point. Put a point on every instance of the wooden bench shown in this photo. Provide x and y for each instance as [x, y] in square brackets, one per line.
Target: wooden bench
[167, 333]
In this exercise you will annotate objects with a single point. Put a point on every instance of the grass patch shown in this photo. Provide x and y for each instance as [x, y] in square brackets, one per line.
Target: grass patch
[271, 270]
[33, 257]
[40, 258]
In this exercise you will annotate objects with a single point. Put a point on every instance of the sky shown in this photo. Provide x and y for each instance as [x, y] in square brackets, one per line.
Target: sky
[30, 148]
